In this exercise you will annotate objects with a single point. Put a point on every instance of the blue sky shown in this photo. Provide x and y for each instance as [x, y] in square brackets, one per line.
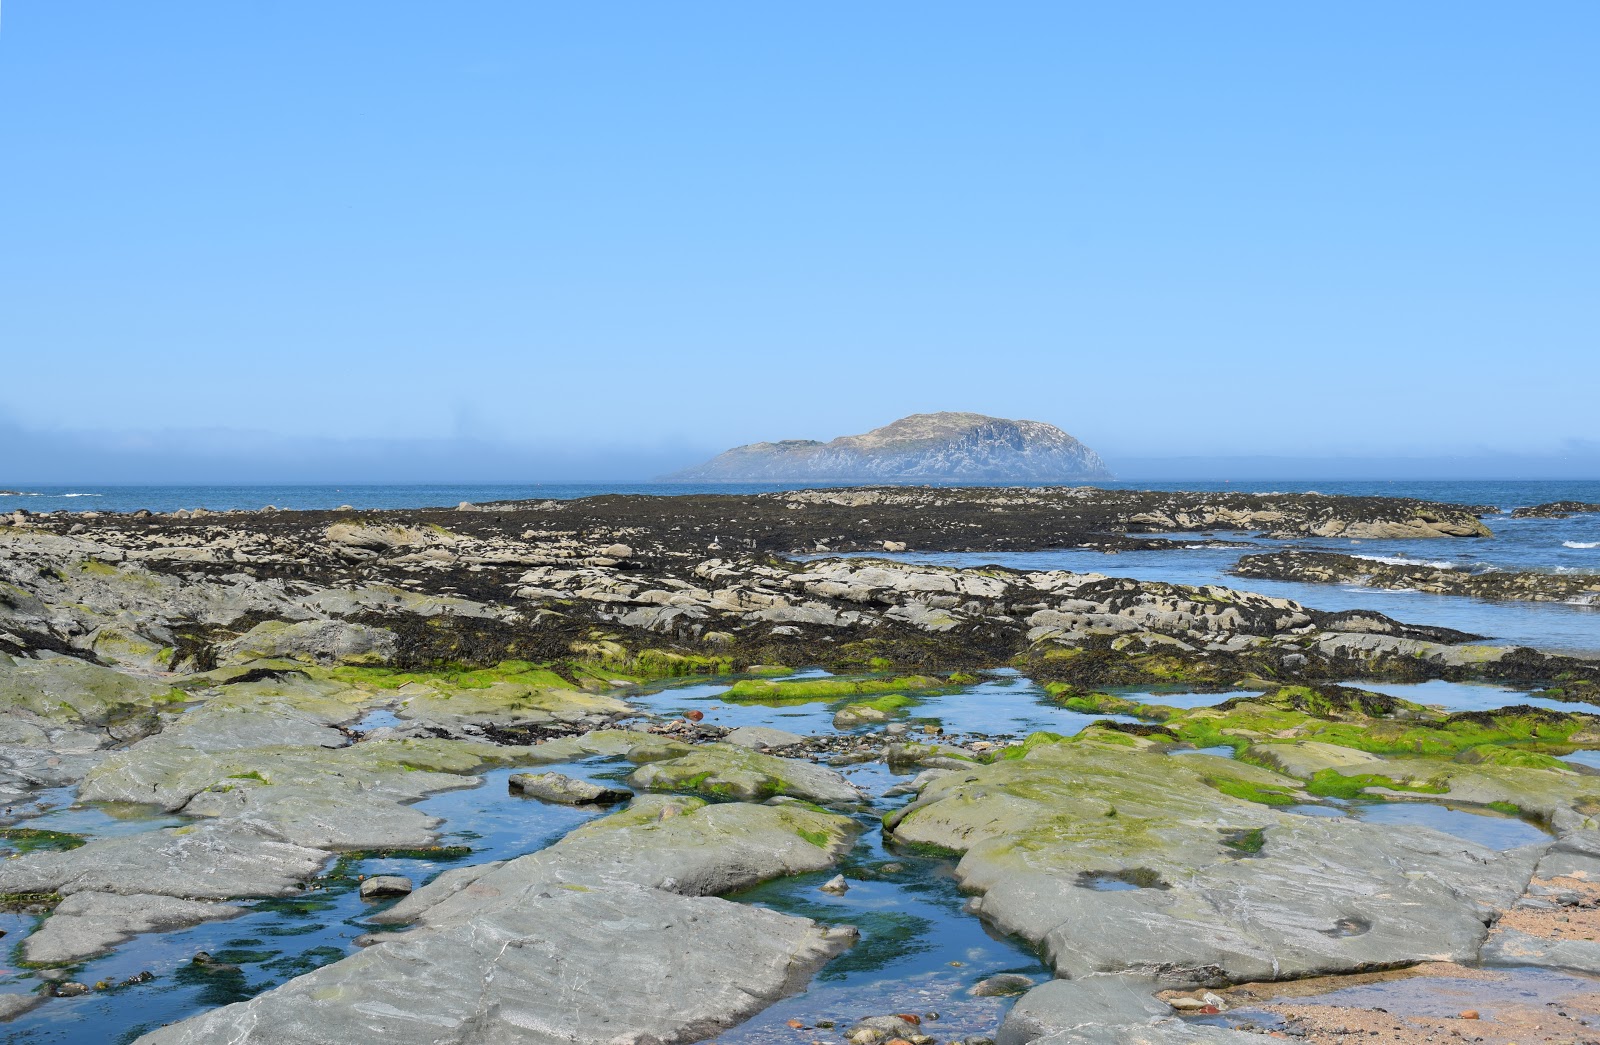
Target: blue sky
[610, 237]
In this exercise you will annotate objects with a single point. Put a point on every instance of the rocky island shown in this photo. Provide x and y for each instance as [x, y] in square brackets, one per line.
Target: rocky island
[282, 694]
[951, 447]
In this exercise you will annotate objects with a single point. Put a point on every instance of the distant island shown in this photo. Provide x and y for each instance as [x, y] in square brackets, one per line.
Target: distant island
[927, 447]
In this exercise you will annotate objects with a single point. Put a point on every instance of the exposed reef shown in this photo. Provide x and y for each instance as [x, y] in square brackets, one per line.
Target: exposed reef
[1554, 510]
[1436, 578]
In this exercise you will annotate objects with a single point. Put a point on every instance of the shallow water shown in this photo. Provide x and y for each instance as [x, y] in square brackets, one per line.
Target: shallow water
[1483, 826]
[1003, 704]
[1469, 696]
[918, 952]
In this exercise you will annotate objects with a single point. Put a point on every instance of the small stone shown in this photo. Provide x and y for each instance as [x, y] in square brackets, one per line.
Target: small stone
[384, 885]
[617, 551]
[70, 989]
[1186, 1004]
[694, 716]
[1004, 985]
[1469, 1014]
[836, 885]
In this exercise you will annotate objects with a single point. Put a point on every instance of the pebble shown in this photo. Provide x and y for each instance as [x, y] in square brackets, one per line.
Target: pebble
[836, 885]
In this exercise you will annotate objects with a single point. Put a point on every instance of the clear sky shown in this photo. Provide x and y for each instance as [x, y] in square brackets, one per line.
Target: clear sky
[615, 237]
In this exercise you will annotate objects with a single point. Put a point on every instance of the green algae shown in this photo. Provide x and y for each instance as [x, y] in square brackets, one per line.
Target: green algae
[1377, 724]
[1330, 783]
[31, 840]
[1248, 842]
[1250, 791]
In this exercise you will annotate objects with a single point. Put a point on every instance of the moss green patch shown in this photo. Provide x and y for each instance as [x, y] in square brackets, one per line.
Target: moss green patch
[1508, 808]
[1374, 723]
[30, 840]
[1249, 842]
[1330, 783]
[1033, 740]
[1264, 794]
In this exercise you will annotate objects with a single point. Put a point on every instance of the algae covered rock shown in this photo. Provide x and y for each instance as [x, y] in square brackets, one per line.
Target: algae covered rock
[67, 690]
[729, 771]
[1224, 888]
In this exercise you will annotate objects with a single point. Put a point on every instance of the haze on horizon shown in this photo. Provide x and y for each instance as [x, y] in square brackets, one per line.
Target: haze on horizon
[290, 242]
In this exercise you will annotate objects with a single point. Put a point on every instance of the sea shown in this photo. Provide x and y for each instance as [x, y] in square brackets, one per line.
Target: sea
[1570, 545]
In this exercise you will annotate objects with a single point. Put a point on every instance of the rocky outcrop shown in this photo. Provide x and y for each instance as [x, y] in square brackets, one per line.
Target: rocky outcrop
[1435, 578]
[1555, 510]
[922, 447]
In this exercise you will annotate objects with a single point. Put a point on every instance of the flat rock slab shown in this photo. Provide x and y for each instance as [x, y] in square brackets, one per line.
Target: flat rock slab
[566, 790]
[86, 924]
[757, 737]
[333, 814]
[1508, 947]
[216, 861]
[570, 967]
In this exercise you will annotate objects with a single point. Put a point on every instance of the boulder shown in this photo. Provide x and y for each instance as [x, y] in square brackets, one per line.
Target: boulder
[384, 886]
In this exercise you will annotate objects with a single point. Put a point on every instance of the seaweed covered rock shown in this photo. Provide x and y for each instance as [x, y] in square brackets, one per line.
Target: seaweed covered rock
[1117, 859]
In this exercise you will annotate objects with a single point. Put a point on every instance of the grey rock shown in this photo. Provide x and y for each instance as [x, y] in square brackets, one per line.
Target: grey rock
[15, 1003]
[1002, 986]
[383, 886]
[1509, 947]
[217, 860]
[88, 923]
[1071, 1005]
[558, 787]
[758, 737]
[313, 641]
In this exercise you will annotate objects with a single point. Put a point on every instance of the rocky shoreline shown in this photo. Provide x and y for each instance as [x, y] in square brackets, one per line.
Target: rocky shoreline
[223, 669]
